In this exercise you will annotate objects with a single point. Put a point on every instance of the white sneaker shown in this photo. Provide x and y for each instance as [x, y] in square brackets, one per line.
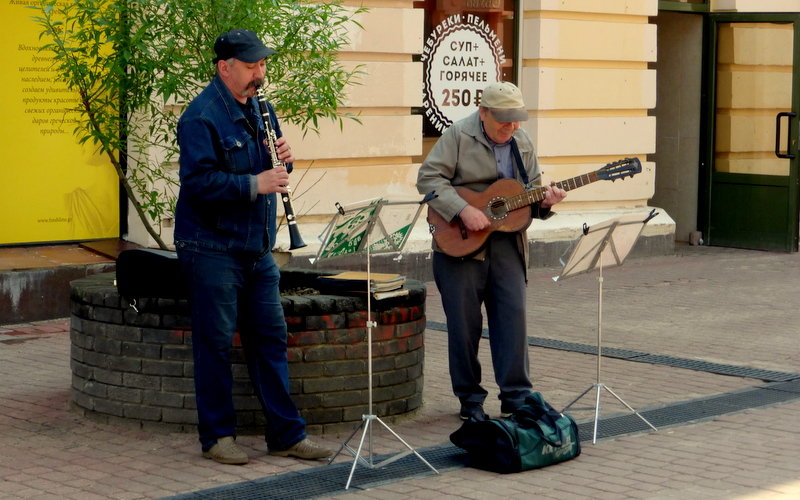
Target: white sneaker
[226, 451]
[306, 449]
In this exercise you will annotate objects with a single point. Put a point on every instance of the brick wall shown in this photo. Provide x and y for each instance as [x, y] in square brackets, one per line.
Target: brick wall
[136, 367]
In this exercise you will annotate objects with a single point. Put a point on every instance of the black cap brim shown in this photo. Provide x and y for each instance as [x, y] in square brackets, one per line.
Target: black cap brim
[250, 56]
[255, 54]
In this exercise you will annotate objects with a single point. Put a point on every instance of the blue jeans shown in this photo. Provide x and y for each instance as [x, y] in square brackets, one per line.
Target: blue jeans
[230, 291]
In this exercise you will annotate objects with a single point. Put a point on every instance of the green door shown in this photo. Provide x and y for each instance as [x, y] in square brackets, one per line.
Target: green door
[751, 158]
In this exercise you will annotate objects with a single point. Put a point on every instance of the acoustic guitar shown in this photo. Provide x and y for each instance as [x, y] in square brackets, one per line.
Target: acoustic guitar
[504, 203]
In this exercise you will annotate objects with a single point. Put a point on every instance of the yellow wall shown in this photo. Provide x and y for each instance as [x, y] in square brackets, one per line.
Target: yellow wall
[585, 77]
[52, 189]
[586, 80]
[363, 160]
[586, 73]
[373, 158]
[755, 5]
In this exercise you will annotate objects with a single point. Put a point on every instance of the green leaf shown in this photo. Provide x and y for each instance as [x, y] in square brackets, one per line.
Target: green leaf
[125, 59]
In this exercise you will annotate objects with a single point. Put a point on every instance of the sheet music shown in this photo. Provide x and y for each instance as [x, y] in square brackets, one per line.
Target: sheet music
[388, 225]
[607, 243]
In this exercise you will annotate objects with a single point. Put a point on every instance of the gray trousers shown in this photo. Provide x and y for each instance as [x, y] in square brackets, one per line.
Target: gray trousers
[497, 282]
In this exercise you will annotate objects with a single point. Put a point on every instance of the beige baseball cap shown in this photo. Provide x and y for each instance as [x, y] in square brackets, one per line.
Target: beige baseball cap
[504, 101]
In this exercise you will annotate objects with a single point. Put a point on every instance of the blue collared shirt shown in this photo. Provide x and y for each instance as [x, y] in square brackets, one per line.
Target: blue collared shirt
[503, 156]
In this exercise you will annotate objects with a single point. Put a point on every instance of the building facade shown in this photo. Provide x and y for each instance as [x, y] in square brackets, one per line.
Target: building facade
[702, 92]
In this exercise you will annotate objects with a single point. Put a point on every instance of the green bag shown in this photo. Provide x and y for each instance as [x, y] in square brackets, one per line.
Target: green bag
[536, 435]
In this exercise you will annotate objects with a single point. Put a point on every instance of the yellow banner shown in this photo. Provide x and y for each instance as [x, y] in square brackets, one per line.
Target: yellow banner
[51, 188]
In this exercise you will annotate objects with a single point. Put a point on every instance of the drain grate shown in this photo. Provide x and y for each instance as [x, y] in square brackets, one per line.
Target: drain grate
[655, 359]
[691, 411]
[718, 368]
[329, 480]
[791, 386]
[609, 352]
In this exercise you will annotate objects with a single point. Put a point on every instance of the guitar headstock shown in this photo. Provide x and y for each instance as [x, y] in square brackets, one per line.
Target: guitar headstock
[627, 167]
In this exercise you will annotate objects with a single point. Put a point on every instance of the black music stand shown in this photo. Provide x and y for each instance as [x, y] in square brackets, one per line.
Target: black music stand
[350, 232]
[606, 244]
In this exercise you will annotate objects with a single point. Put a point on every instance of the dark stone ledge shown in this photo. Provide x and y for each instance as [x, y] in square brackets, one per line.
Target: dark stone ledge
[136, 366]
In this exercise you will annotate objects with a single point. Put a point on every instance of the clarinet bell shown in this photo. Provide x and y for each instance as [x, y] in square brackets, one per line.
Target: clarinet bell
[295, 239]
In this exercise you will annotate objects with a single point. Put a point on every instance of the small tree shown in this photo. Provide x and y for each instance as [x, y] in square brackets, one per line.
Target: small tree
[135, 64]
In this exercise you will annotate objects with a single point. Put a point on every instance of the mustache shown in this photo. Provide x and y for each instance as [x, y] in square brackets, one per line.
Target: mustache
[257, 83]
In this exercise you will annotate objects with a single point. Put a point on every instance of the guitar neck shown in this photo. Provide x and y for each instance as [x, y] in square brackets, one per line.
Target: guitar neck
[538, 194]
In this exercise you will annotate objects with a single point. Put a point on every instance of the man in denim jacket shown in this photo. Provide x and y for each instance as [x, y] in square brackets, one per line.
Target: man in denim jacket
[224, 232]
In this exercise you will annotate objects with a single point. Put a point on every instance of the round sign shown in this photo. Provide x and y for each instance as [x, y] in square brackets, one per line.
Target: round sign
[461, 59]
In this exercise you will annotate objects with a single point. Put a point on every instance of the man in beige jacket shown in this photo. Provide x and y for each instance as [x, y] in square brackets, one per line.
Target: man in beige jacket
[474, 153]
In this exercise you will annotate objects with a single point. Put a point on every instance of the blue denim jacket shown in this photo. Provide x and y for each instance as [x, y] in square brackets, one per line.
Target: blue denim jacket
[218, 205]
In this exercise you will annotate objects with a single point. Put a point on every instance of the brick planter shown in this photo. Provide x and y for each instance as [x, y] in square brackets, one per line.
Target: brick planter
[137, 366]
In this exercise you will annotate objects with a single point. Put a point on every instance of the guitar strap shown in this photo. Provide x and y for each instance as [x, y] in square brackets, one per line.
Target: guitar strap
[523, 251]
[522, 173]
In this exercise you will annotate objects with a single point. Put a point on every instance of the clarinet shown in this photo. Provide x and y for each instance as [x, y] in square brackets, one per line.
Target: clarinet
[295, 239]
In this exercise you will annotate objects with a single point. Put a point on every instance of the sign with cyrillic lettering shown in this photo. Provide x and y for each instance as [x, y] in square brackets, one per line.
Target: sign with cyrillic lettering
[52, 189]
[462, 55]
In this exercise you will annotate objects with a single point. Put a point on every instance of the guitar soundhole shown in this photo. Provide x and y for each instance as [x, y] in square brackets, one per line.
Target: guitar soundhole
[496, 209]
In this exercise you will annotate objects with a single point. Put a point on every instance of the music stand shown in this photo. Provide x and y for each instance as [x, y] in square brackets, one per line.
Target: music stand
[606, 244]
[350, 232]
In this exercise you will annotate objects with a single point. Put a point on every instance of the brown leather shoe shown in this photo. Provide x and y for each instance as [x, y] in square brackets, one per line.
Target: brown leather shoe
[226, 451]
[306, 449]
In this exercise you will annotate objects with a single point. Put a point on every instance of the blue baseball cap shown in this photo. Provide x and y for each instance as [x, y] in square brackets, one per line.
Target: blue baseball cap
[240, 44]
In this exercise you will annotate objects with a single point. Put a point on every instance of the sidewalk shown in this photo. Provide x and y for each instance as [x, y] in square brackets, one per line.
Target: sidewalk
[720, 306]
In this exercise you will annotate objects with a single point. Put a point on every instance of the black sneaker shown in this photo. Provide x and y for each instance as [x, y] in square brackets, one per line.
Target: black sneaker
[506, 410]
[473, 412]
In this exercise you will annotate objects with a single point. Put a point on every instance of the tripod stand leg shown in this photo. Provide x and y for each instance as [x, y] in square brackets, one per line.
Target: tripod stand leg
[410, 448]
[596, 413]
[357, 455]
[600, 386]
[596, 406]
[345, 444]
[578, 398]
[629, 407]
[367, 430]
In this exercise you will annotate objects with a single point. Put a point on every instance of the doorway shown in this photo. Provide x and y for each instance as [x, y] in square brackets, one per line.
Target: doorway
[679, 71]
[749, 155]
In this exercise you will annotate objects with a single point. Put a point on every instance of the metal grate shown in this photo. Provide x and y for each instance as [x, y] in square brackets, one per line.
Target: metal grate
[792, 386]
[329, 480]
[656, 359]
[691, 411]
[609, 352]
[721, 369]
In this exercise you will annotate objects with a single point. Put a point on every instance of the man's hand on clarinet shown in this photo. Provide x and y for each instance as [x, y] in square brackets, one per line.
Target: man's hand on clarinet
[274, 180]
[284, 152]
